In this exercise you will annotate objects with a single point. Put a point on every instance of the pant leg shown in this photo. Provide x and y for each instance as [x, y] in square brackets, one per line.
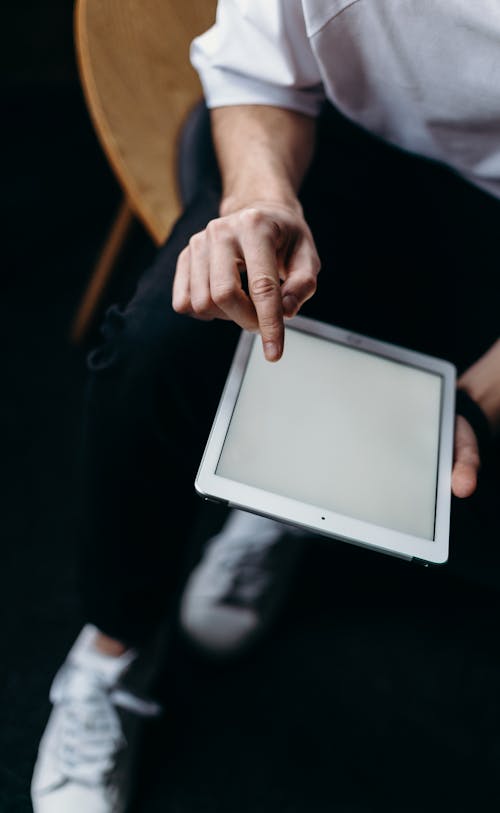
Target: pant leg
[154, 385]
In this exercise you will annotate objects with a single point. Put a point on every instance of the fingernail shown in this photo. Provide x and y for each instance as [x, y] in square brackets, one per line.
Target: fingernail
[290, 304]
[272, 351]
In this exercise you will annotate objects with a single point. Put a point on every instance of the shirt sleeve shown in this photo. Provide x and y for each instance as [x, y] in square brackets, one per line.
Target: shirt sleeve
[258, 52]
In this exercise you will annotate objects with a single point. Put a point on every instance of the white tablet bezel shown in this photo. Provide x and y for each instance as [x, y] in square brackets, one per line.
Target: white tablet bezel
[315, 518]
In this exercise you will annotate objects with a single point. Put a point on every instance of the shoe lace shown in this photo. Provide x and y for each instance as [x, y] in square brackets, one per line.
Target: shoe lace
[90, 734]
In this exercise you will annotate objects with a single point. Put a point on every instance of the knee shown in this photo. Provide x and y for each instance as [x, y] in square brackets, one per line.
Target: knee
[147, 331]
[128, 345]
[111, 346]
[135, 343]
[128, 370]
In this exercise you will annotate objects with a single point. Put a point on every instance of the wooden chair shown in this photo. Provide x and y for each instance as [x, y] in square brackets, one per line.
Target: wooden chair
[139, 87]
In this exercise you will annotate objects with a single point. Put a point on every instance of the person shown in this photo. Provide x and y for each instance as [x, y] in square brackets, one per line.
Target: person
[363, 137]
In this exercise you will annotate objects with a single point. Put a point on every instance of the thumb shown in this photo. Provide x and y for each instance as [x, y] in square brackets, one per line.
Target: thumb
[466, 459]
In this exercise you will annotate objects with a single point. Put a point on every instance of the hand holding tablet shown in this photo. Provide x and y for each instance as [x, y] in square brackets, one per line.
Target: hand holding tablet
[345, 436]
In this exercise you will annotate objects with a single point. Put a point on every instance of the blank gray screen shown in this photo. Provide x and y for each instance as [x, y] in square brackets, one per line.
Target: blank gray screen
[341, 429]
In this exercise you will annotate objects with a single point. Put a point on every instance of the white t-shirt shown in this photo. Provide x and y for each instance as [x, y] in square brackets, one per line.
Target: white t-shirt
[422, 74]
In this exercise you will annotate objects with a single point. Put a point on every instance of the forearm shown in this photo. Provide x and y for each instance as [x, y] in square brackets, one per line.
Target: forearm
[482, 382]
[263, 154]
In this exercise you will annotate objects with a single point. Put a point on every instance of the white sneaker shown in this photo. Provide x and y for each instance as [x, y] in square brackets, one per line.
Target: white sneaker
[77, 756]
[240, 584]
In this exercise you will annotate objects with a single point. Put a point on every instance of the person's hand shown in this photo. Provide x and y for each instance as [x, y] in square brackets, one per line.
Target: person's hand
[466, 461]
[272, 243]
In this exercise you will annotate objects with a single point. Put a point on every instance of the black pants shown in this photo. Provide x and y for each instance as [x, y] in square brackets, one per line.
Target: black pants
[410, 255]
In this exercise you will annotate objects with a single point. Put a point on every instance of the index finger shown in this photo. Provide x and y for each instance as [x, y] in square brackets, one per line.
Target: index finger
[259, 252]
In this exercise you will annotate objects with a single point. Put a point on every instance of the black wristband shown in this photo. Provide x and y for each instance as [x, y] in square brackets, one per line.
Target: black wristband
[472, 412]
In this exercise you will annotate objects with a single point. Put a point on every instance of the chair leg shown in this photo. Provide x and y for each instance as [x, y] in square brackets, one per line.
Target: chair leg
[102, 272]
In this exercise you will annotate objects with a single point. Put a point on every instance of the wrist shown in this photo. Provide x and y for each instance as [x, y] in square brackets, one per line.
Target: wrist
[247, 196]
[489, 403]
[482, 382]
[473, 413]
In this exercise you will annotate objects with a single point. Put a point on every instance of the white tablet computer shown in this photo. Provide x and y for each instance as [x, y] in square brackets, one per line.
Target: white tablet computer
[345, 436]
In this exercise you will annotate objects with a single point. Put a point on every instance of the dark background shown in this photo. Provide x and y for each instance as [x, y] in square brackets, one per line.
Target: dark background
[58, 198]
[379, 689]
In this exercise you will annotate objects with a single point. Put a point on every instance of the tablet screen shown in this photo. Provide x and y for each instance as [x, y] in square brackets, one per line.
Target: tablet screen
[339, 428]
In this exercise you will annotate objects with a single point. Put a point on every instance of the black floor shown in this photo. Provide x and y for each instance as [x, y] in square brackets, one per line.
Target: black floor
[379, 689]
